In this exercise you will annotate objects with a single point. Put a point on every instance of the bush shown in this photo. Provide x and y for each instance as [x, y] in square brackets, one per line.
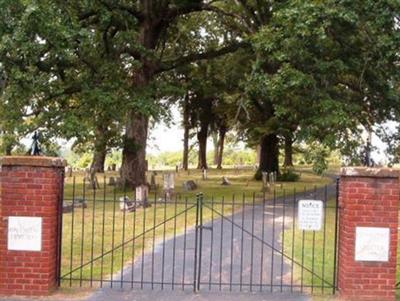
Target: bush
[258, 175]
[288, 175]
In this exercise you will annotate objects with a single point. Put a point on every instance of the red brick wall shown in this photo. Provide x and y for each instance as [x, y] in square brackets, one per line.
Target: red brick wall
[30, 191]
[368, 198]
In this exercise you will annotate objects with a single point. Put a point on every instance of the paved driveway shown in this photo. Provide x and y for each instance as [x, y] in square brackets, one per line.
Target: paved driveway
[254, 270]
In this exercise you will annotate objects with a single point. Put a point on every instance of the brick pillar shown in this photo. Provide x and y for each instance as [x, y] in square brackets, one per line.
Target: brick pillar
[29, 187]
[368, 199]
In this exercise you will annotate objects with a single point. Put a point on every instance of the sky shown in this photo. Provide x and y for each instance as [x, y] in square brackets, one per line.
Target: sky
[168, 138]
[165, 137]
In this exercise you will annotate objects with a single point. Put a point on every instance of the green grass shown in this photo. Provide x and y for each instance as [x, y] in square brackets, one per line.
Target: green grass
[314, 253]
[99, 230]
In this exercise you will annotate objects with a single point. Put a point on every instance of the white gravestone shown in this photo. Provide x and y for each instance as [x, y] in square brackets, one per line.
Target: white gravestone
[24, 233]
[310, 215]
[142, 193]
[169, 181]
[372, 244]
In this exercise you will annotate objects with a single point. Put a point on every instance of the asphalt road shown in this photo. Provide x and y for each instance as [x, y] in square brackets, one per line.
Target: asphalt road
[240, 254]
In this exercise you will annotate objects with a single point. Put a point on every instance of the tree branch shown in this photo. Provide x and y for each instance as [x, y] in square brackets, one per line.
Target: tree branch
[129, 9]
[184, 60]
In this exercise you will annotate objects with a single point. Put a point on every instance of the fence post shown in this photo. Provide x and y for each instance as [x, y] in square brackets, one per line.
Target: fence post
[30, 196]
[367, 260]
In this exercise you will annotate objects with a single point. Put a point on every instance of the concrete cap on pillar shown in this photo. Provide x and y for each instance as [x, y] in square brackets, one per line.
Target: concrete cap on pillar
[370, 172]
[37, 161]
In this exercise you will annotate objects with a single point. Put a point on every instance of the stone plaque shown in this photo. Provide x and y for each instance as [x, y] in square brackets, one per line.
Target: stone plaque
[372, 244]
[310, 215]
[24, 233]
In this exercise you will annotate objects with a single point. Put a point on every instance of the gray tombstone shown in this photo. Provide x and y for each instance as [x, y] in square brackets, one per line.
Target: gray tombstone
[79, 203]
[153, 184]
[142, 193]
[169, 185]
[204, 174]
[69, 171]
[125, 204]
[112, 181]
[225, 181]
[189, 185]
[67, 207]
[265, 181]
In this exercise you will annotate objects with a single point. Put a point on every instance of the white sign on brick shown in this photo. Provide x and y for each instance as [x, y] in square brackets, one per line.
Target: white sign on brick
[310, 215]
[372, 244]
[24, 233]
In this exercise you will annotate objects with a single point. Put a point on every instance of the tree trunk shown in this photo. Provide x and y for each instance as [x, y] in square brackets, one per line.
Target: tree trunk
[133, 168]
[186, 127]
[100, 149]
[215, 140]
[99, 158]
[221, 143]
[202, 138]
[288, 162]
[269, 154]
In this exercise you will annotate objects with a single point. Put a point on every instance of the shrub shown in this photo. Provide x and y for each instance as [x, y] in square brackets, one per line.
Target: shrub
[288, 175]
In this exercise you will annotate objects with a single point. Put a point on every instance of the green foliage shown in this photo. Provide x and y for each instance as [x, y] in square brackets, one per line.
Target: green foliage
[288, 175]
[317, 155]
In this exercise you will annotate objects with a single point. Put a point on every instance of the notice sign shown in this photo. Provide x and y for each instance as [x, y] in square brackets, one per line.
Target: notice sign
[310, 215]
[24, 233]
[372, 244]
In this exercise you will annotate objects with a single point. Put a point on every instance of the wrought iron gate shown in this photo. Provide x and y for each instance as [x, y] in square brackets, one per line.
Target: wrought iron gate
[241, 244]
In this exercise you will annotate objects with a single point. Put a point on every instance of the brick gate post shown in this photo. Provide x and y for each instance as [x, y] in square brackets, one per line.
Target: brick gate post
[30, 196]
[368, 199]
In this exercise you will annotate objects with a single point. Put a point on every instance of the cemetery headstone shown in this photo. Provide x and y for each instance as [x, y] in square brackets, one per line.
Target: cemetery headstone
[265, 181]
[67, 207]
[204, 174]
[142, 193]
[125, 204]
[169, 185]
[189, 185]
[112, 181]
[225, 181]
[153, 184]
[79, 203]
[69, 171]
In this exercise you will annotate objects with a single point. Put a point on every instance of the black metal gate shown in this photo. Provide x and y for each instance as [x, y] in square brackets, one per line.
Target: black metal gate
[241, 244]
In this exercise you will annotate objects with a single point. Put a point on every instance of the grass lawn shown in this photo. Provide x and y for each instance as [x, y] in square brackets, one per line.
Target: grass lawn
[100, 237]
[314, 250]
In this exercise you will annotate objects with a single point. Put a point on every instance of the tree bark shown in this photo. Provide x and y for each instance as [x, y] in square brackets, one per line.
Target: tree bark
[133, 168]
[99, 158]
[288, 162]
[202, 139]
[186, 128]
[221, 143]
[269, 153]
[215, 140]
[100, 149]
